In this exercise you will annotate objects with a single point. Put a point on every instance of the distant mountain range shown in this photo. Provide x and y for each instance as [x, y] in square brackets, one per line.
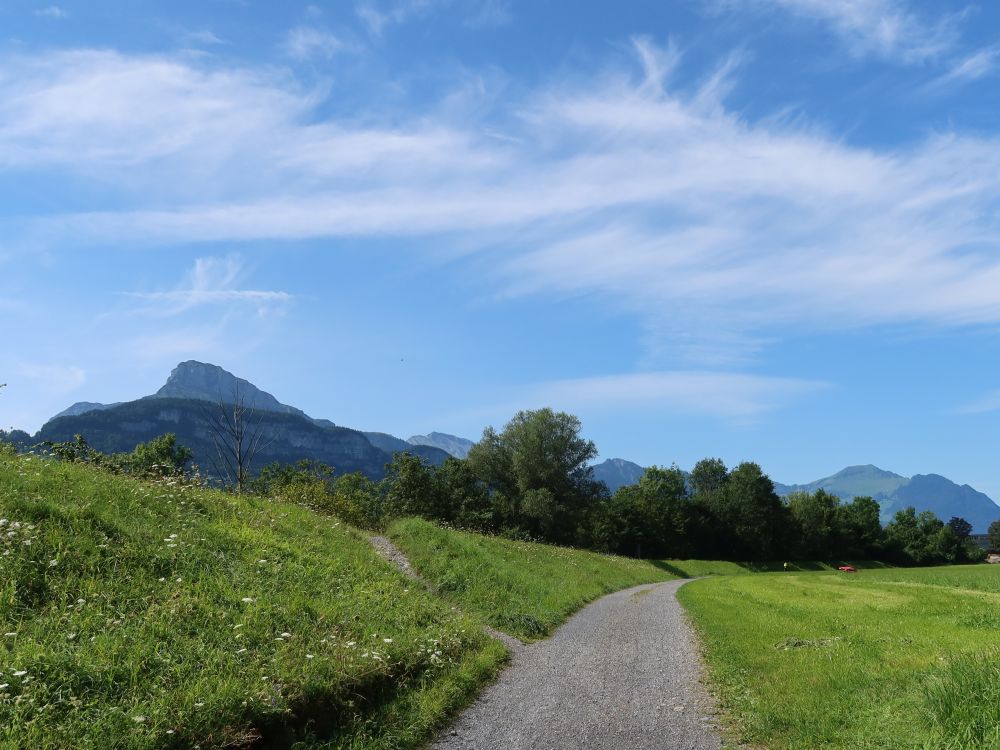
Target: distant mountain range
[196, 387]
[893, 492]
[617, 473]
[456, 446]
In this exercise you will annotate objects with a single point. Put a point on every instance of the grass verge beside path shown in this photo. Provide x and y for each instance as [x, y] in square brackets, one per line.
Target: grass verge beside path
[521, 588]
[887, 659]
[153, 615]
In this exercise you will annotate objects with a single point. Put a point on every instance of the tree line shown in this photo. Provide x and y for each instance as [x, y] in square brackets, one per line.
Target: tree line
[533, 480]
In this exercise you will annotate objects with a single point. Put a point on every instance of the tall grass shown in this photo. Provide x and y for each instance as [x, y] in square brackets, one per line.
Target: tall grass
[158, 615]
[879, 659]
[521, 588]
[964, 701]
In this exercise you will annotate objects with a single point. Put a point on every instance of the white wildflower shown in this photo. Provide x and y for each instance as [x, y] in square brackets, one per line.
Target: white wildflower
[247, 600]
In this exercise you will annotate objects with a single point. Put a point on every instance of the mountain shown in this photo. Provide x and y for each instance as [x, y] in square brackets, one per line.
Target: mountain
[617, 472]
[456, 446]
[854, 481]
[82, 407]
[392, 444]
[946, 499]
[205, 382]
[893, 492]
[291, 437]
[195, 387]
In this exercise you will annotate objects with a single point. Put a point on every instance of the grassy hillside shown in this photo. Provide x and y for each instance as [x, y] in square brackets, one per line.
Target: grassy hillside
[140, 615]
[521, 588]
[879, 659]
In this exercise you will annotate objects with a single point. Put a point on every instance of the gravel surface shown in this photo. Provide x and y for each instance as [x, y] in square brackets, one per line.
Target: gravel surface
[623, 673]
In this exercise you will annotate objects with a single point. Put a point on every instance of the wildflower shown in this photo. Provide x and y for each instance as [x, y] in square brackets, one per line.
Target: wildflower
[162, 580]
[247, 600]
[53, 563]
[198, 705]
[310, 656]
[139, 719]
[387, 640]
[179, 580]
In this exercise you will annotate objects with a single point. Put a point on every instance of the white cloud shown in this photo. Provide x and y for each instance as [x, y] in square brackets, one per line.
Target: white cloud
[978, 65]
[990, 402]
[730, 396]
[203, 36]
[655, 196]
[885, 28]
[53, 11]
[212, 281]
[379, 15]
[307, 42]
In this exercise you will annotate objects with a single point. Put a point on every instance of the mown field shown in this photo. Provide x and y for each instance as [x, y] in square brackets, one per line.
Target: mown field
[888, 659]
[521, 588]
[154, 615]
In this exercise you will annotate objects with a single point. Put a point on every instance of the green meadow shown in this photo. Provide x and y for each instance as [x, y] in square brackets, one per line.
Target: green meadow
[522, 588]
[888, 659]
[157, 615]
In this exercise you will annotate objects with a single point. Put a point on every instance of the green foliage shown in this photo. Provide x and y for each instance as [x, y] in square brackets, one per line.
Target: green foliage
[923, 538]
[994, 534]
[537, 470]
[654, 517]
[161, 456]
[151, 614]
[891, 658]
[522, 588]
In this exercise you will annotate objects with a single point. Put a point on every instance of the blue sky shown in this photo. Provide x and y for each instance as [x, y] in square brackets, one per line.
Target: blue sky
[754, 229]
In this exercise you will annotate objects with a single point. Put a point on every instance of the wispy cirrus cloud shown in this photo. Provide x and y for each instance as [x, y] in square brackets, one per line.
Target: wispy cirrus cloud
[54, 12]
[380, 15]
[989, 402]
[736, 397]
[884, 28]
[309, 42]
[211, 281]
[972, 67]
[627, 185]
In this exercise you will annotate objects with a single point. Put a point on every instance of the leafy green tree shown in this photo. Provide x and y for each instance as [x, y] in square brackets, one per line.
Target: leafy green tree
[358, 500]
[861, 528]
[464, 498]
[960, 526]
[993, 534]
[652, 518]
[161, 456]
[537, 472]
[817, 523]
[410, 489]
[752, 521]
[708, 477]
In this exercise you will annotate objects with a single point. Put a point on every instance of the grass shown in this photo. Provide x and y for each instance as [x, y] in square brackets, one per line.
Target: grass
[521, 588]
[887, 659]
[155, 615]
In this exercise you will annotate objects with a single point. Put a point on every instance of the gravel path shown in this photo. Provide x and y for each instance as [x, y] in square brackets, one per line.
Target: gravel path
[623, 673]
